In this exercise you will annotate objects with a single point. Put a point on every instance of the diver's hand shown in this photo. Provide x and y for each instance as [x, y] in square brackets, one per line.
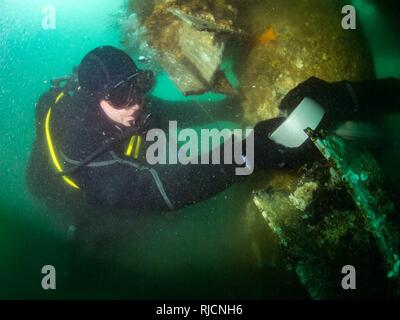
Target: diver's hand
[271, 155]
[335, 98]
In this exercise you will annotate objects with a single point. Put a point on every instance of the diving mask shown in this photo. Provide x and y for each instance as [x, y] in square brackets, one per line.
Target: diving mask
[130, 90]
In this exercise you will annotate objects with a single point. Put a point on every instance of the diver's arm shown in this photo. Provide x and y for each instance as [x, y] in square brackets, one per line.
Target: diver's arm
[126, 185]
[347, 100]
[165, 187]
[123, 186]
[186, 185]
[191, 113]
[375, 96]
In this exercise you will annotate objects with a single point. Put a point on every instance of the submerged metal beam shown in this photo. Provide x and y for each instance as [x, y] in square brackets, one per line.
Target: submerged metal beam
[365, 182]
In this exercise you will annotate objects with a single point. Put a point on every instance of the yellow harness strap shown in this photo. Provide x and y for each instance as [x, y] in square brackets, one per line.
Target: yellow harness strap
[51, 146]
[138, 139]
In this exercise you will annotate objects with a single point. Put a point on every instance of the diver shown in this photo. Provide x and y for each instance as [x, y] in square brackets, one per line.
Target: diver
[90, 150]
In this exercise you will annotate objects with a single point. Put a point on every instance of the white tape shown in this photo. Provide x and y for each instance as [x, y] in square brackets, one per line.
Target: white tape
[308, 114]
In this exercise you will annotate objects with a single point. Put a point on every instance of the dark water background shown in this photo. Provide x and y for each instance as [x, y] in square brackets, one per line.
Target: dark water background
[204, 252]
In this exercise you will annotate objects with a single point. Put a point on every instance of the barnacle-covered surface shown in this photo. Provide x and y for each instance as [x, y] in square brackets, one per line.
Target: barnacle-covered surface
[275, 45]
[143, 8]
[336, 213]
[308, 40]
[320, 238]
[365, 182]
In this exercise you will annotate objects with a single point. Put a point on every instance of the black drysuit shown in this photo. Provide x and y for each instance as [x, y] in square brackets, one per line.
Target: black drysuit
[78, 128]
[114, 181]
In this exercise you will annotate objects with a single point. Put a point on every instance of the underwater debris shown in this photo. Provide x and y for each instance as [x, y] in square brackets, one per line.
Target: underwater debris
[189, 39]
[203, 50]
[302, 196]
[362, 176]
[206, 22]
[333, 215]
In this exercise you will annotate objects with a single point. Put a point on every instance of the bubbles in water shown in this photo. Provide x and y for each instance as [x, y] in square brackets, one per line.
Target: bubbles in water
[134, 34]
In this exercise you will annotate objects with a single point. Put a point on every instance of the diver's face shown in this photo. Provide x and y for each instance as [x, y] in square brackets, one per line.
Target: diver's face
[126, 116]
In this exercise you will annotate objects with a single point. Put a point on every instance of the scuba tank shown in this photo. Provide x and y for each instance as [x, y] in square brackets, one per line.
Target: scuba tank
[68, 84]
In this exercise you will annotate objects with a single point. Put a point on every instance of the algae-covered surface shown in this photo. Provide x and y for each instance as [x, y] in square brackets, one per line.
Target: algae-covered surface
[308, 41]
[335, 214]
[276, 45]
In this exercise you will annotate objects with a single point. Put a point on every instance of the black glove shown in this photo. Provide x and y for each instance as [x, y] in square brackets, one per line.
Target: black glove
[143, 120]
[270, 155]
[338, 100]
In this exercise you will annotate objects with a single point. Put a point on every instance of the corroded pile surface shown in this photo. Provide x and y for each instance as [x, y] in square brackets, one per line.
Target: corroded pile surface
[275, 45]
[335, 214]
[306, 40]
[190, 38]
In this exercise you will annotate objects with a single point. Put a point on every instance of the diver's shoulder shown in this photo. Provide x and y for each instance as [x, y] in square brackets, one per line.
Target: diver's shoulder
[47, 98]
